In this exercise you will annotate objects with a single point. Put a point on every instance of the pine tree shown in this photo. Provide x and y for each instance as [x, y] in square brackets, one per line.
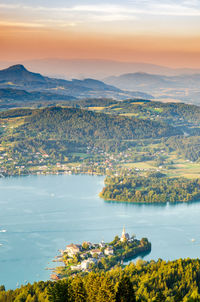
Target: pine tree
[92, 286]
[125, 292]
[106, 292]
[78, 289]
[60, 291]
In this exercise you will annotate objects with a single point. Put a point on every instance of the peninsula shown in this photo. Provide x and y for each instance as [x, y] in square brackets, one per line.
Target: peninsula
[99, 257]
[152, 188]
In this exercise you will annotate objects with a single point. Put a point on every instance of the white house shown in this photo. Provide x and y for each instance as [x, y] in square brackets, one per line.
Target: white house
[86, 263]
[75, 267]
[102, 244]
[96, 252]
[109, 251]
[73, 249]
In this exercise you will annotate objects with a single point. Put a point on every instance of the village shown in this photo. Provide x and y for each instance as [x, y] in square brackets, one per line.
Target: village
[102, 256]
[94, 161]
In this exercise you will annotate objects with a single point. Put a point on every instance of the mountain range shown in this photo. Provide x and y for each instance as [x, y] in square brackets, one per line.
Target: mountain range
[95, 68]
[19, 84]
[181, 87]
[17, 77]
[146, 81]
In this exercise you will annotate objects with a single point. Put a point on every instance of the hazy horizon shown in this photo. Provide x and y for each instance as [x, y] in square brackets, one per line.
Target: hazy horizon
[97, 59]
[94, 68]
[164, 33]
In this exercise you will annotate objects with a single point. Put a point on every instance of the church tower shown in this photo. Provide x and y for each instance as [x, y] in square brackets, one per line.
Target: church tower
[123, 232]
[125, 236]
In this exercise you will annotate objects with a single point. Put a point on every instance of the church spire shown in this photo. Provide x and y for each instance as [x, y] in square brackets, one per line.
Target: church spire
[125, 236]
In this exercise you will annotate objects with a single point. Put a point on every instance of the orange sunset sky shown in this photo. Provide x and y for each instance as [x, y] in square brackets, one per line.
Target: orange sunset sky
[160, 32]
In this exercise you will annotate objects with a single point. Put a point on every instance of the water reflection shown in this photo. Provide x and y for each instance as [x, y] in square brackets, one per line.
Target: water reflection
[148, 204]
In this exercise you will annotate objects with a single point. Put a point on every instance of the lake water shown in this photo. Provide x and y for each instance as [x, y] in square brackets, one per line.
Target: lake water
[41, 214]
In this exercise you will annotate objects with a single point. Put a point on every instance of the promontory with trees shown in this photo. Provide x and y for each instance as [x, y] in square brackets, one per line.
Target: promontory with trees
[153, 188]
[81, 259]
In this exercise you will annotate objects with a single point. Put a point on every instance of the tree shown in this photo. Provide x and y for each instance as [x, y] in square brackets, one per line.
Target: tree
[106, 292]
[78, 289]
[125, 292]
[60, 291]
[92, 285]
[2, 288]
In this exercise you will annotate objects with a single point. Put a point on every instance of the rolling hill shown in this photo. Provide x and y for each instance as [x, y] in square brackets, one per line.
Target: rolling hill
[83, 125]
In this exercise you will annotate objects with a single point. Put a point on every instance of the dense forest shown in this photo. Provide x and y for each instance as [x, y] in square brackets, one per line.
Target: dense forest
[189, 147]
[161, 281]
[80, 124]
[15, 113]
[151, 189]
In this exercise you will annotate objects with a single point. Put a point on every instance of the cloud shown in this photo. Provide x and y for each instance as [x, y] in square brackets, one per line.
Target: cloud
[168, 9]
[9, 6]
[72, 15]
[97, 13]
[186, 8]
[20, 24]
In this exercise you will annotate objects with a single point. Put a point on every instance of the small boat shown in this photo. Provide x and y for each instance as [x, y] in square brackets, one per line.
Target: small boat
[3, 231]
[193, 240]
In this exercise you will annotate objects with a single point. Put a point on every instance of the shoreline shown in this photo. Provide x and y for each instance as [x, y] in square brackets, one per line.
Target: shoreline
[108, 200]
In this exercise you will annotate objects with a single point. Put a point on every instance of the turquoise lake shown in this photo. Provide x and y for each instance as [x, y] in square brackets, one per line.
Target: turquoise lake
[41, 214]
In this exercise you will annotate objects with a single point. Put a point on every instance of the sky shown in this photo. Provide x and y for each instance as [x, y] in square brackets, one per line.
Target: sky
[155, 31]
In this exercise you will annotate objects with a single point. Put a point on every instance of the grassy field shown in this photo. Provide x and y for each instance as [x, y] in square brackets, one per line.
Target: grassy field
[147, 165]
[14, 122]
[129, 114]
[179, 168]
[96, 108]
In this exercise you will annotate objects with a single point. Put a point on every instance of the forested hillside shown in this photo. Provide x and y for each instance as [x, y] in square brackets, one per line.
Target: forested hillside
[177, 281]
[184, 114]
[83, 125]
[189, 147]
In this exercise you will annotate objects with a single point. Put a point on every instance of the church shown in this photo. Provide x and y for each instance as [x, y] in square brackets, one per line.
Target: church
[125, 236]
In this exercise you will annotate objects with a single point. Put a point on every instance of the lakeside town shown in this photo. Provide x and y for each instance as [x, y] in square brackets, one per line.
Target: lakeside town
[89, 256]
[95, 161]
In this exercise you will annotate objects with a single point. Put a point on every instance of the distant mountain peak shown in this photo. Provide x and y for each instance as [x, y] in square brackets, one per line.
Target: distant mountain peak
[18, 74]
[17, 67]
[139, 73]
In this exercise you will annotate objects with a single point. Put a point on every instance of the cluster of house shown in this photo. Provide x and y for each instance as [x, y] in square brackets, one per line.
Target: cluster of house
[93, 254]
